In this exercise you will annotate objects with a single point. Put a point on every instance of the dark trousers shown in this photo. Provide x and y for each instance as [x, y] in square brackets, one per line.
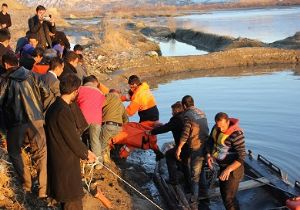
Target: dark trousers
[173, 164]
[230, 187]
[72, 205]
[31, 134]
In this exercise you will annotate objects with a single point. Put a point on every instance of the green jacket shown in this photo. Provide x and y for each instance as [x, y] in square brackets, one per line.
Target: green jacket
[113, 109]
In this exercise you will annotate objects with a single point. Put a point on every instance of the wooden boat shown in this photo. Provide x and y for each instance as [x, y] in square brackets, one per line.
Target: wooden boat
[265, 186]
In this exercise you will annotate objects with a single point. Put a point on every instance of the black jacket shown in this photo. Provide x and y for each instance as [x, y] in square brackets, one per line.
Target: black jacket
[3, 51]
[5, 19]
[175, 125]
[42, 30]
[68, 68]
[22, 96]
[65, 149]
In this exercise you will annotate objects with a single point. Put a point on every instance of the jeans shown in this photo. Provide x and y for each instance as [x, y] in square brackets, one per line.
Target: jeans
[107, 132]
[230, 187]
[94, 133]
[195, 163]
[32, 134]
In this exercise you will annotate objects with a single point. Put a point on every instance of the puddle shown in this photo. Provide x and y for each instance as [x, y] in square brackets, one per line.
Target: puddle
[173, 47]
[83, 21]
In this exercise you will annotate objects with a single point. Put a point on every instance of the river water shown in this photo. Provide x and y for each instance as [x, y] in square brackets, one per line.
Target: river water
[267, 106]
[265, 24]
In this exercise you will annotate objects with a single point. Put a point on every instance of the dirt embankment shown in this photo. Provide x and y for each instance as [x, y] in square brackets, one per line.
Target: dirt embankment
[292, 42]
[227, 53]
[213, 42]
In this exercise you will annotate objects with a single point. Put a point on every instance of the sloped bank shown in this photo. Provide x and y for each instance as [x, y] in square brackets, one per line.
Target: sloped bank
[201, 40]
[292, 42]
[240, 57]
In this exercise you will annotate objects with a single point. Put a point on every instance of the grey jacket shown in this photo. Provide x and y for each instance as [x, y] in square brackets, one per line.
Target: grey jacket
[195, 129]
[53, 83]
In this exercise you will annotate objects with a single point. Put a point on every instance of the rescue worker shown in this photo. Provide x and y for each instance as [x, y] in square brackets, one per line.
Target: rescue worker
[175, 125]
[142, 101]
[227, 147]
[195, 134]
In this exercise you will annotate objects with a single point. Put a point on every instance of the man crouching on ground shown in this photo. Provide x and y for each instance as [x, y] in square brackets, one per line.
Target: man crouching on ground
[65, 149]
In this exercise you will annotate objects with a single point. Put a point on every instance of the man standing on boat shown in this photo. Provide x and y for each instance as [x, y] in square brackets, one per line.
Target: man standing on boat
[227, 146]
[175, 125]
[195, 133]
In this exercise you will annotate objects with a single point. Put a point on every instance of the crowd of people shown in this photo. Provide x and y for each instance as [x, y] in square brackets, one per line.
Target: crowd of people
[53, 110]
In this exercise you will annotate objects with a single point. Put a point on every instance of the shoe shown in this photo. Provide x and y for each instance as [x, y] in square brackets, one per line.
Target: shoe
[159, 155]
[106, 159]
[43, 197]
[98, 166]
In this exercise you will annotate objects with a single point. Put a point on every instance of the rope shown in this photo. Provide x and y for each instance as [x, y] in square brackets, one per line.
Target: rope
[91, 174]
[91, 177]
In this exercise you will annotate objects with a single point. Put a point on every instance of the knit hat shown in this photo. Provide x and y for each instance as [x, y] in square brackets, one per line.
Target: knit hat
[59, 48]
[28, 49]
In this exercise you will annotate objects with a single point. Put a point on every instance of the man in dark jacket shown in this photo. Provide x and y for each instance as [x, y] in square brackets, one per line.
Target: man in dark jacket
[65, 149]
[195, 134]
[71, 62]
[60, 37]
[42, 26]
[5, 21]
[4, 49]
[21, 101]
[175, 125]
[4, 46]
[227, 147]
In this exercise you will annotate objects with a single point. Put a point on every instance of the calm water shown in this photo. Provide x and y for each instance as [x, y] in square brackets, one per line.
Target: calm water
[267, 25]
[173, 47]
[83, 21]
[267, 106]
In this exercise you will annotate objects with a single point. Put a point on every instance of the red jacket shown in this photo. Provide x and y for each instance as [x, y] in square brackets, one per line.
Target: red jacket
[90, 100]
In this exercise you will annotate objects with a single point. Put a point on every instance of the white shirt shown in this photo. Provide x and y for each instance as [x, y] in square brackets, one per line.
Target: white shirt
[52, 72]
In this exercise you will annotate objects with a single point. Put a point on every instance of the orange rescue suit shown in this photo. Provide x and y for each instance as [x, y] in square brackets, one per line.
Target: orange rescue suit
[142, 99]
[133, 135]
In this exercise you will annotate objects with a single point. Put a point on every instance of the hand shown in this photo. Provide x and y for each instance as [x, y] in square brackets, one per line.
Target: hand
[178, 152]
[91, 157]
[148, 132]
[225, 174]
[52, 21]
[210, 161]
[3, 25]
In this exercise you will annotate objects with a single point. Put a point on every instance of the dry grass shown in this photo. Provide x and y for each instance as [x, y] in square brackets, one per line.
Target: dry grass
[7, 187]
[114, 37]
